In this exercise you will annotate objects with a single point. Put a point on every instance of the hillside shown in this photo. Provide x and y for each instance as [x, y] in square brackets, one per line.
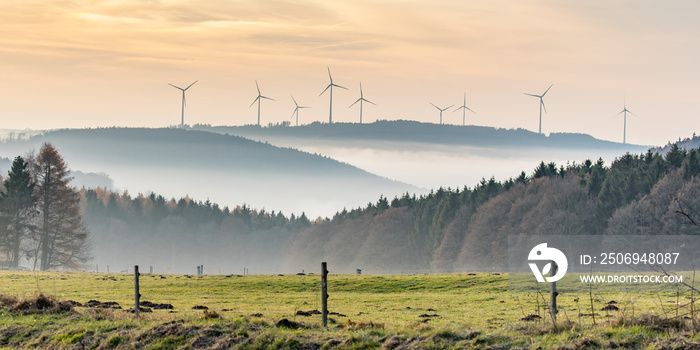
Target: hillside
[447, 230]
[411, 151]
[413, 131]
[80, 179]
[226, 169]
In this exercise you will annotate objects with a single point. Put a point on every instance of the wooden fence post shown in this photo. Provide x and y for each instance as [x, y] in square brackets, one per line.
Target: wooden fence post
[324, 293]
[553, 295]
[137, 295]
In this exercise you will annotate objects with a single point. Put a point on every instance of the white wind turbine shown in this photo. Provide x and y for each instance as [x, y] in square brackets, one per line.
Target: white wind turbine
[441, 110]
[258, 99]
[624, 130]
[360, 100]
[330, 86]
[464, 110]
[296, 110]
[184, 102]
[541, 104]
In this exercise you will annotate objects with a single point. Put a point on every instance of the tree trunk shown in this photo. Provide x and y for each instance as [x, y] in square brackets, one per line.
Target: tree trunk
[43, 242]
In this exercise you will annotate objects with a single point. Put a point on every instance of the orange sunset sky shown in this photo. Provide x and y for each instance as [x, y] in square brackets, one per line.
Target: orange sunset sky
[66, 64]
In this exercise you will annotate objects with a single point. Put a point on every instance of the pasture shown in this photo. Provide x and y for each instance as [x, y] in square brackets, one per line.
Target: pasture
[368, 311]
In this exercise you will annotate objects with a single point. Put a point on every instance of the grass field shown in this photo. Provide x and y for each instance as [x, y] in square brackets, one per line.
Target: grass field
[396, 311]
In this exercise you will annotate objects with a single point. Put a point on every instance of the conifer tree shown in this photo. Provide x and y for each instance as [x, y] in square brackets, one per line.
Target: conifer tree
[62, 241]
[17, 209]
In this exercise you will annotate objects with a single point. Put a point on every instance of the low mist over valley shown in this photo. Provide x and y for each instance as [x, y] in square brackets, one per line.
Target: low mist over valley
[458, 230]
[174, 199]
[228, 170]
[431, 155]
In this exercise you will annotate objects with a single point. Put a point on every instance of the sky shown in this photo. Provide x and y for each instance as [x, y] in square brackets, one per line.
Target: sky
[89, 63]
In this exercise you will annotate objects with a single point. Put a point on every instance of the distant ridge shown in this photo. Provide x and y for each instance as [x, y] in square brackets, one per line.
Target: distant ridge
[227, 169]
[412, 131]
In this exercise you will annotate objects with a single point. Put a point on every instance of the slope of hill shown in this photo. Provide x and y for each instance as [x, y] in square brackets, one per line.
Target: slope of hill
[431, 155]
[458, 230]
[80, 179]
[413, 131]
[226, 169]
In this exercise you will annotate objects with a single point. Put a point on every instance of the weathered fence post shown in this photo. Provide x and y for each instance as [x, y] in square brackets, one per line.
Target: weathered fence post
[324, 293]
[553, 295]
[137, 295]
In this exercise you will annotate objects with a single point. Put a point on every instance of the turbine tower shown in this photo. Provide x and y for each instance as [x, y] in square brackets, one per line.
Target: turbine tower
[184, 102]
[464, 110]
[441, 110]
[360, 100]
[330, 86]
[624, 130]
[541, 104]
[258, 99]
[296, 110]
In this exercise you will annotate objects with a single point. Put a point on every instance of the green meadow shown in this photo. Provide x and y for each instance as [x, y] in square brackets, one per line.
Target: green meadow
[369, 311]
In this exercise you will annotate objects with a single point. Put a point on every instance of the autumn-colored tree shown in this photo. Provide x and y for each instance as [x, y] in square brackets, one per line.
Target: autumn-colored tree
[62, 240]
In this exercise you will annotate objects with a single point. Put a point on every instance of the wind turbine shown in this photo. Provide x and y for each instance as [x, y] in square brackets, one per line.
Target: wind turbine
[624, 130]
[360, 100]
[541, 104]
[465, 108]
[330, 86]
[441, 110]
[258, 99]
[184, 103]
[296, 110]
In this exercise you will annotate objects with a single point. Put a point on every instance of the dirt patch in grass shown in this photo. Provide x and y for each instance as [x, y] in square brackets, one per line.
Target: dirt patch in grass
[40, 304]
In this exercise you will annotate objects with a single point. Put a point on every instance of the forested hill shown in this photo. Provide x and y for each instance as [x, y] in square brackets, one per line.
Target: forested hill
[413, 131]
[226, 169]
[411, 152]
[447, 230]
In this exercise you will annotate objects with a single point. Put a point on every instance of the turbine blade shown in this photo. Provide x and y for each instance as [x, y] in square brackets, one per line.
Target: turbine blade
[543, 106]
[177, 87]
[434, 105]
[257, 87]
[368, 101]
[303, 107]
[267, 98]
[342, 87]
[255, 100]
[469, 109]
[458, 108]
[547, 90]
[295, 110]
[630, 112]
[533, 95]
[295, 101]
[191, 84]
[329, 74]
[327, 87]
[448, 107]
[358, 100]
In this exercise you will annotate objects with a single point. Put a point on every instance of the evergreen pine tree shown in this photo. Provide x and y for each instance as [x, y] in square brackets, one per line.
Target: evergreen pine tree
[17, 208]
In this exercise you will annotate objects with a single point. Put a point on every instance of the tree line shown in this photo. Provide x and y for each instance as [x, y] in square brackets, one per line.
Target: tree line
[40, 215]
[445, 230]
[467, 229]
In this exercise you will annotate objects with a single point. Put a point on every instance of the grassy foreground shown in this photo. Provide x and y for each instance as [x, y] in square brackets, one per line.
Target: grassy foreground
[398, 311]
